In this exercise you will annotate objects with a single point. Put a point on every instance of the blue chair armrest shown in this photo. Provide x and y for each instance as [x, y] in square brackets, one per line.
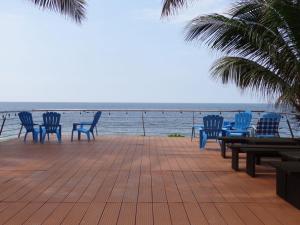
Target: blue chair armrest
[200, 128]
[85, 123]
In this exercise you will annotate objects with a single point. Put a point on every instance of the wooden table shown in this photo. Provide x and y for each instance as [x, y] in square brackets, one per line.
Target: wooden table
[256, 141]
[290, 156]
[254, 152]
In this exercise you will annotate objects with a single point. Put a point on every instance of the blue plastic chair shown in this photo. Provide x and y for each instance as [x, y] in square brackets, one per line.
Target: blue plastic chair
[211, 129]
[272, 115]
[27, 122]
[240, 126]
[51, 125]
[79, 127]
[268, 125]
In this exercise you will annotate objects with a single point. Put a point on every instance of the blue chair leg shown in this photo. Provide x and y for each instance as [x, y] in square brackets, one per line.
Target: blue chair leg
[203, 139]
[200, 140]
[43, 137]
[58, 136]
[35, 136]
[88, 136]
[25, 136]
[79, 135]
[93, 135]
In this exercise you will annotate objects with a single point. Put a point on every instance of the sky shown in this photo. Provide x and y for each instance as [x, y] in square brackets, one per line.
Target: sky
[122, 52]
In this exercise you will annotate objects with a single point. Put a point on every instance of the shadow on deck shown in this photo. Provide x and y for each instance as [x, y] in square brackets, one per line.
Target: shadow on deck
[133, 180]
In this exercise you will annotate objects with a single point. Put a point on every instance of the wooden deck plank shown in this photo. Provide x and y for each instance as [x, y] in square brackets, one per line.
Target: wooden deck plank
[229, 215]
[76, 214]
[41, 214]
[133, 181]
[11, 210]
[58, 214]
[161, 214]
[24, 214]
[144, 214]
[262, 214]
[132, 187]
[246, 214]
[93, 214]
[284, 215]
[127, 214]
[119, 189]
[178, 214]
[107, 187]
[195, 214]
[110, 214]
[212, 214]
[172, 191]
[183, 187]
[145, 191]
[158, 187]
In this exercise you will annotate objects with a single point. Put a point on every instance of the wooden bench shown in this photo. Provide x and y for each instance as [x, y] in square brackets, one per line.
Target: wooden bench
[290, 156]
[256, 141]
[288, 182]
[255, 152]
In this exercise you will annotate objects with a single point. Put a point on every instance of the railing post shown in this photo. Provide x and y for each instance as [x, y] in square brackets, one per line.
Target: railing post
[2, 126]
[193, 119]
[290, 128]
[143, 121]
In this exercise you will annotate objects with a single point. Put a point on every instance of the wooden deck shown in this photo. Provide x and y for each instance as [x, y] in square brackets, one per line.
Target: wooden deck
[133, 180]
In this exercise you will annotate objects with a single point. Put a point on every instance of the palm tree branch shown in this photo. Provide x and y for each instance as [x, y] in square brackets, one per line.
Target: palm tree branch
[73, 8]
[269, 13]
[170, 6]
[246, 39]
[247, 74]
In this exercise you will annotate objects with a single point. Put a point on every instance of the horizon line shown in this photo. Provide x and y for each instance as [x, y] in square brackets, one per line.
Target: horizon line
[93, 102]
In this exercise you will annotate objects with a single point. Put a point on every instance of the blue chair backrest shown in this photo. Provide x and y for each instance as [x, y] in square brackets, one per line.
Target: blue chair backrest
[213, 125]
[51, 121]
[26, 120]
[272, 115]
[96, 119]
[242, 120]
[267, 127]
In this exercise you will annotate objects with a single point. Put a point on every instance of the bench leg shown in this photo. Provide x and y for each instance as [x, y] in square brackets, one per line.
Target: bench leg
[235, 159]
[223, 149]
[258, 161]
[250, 164]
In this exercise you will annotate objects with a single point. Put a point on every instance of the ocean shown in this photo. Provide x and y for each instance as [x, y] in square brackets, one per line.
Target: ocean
[126, 122]
[12, 106]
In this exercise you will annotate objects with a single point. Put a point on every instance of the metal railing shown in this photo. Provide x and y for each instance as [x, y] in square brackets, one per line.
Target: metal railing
[158, 122]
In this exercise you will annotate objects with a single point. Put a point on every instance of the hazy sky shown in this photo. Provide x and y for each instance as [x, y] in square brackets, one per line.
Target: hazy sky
[123, 52]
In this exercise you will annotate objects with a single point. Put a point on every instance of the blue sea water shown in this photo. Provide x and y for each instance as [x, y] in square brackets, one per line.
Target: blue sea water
[133, 123]
[7, 106]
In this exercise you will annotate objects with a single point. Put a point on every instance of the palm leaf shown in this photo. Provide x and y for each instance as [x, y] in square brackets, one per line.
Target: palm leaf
[233, 36]
[73, 8]
[248, 75]
[170, 6]
[261, 43]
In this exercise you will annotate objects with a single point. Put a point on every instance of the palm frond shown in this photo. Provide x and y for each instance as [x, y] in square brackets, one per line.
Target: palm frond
[289, 10]
[290, 98]
[170, 6]
[247, 74]
[73, 8]
[251, 40]
[261, 43]
[277, 15]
